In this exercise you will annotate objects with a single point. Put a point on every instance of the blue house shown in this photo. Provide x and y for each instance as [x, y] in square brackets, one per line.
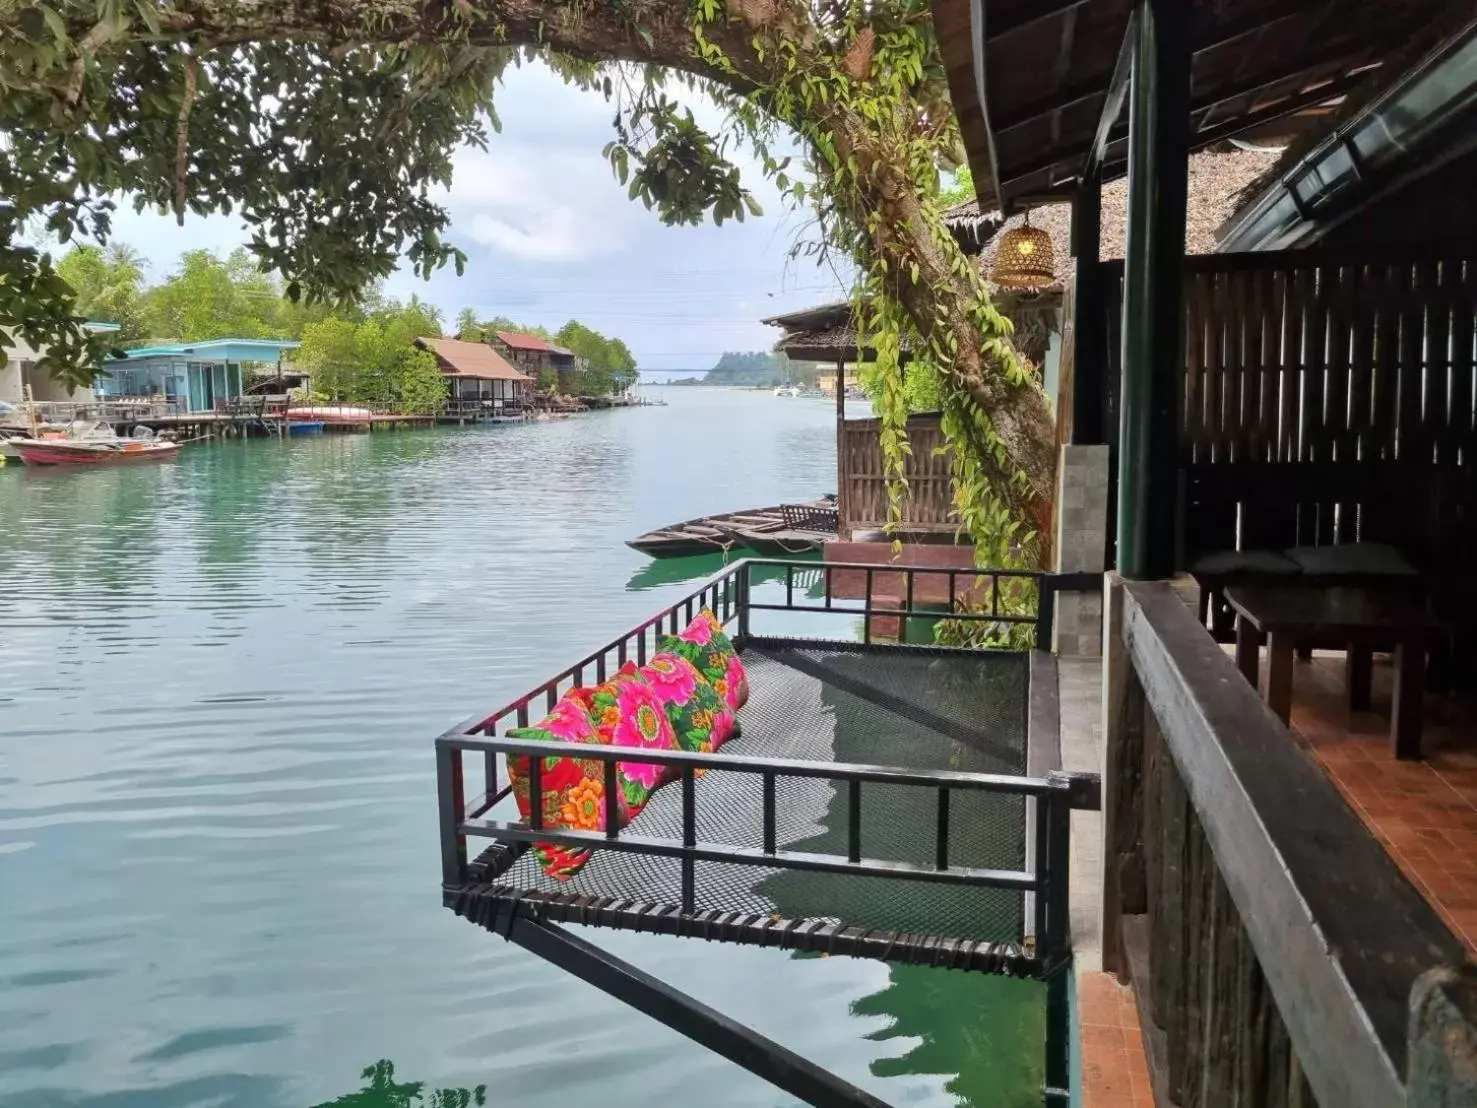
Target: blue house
[189, 376]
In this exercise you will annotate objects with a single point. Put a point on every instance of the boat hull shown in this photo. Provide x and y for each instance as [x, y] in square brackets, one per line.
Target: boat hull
[761, 530]
[74, 454]
[337, 414]
[305, 427]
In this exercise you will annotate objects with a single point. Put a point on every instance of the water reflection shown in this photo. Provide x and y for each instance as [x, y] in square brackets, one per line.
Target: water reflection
[660, 572]
[381, 1090]
[984, 1033]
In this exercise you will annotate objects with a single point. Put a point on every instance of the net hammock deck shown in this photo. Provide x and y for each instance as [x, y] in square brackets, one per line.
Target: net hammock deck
[923, 710]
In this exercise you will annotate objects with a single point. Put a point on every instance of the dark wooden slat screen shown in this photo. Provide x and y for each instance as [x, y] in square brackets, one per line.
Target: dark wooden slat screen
[929, 501]
[1322, 356]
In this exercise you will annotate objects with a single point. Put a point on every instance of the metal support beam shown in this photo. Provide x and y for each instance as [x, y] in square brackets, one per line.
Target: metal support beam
[1066, 154]
[1153, 296]
[1113, 105]
[1089, 321]
[703, 1025]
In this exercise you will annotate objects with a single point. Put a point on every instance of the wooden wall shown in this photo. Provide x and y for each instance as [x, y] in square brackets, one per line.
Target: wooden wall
[1319, 355]
[862, 480]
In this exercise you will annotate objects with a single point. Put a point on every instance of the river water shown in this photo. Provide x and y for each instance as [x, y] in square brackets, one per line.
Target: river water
[219, 682]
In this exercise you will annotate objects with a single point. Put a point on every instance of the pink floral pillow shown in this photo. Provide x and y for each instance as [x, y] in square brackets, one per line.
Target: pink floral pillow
[700, 718]
[711, 652]
[626, 711]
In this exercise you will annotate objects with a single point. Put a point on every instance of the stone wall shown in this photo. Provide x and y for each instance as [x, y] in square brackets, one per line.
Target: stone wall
[1081, 546]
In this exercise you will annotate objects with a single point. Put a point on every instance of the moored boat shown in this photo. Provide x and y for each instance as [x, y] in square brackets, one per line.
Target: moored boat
[764, 530]
[55, 452]
[340, 414]
[305, 427]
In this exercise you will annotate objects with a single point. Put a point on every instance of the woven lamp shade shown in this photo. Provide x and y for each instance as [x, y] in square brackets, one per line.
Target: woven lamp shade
[1025, 259]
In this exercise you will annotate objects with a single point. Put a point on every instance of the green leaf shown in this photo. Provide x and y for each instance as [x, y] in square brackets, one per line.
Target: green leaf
[55, 22]
[753, 205]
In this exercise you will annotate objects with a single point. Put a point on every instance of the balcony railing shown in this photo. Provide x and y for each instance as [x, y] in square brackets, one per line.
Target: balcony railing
[1278, 956]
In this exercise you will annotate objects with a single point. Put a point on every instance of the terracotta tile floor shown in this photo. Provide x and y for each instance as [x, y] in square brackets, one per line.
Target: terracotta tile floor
[1115, 1070]
[1425, 813]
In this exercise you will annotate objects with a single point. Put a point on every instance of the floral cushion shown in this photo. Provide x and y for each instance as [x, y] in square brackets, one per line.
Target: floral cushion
[625, 711]
[700, 718]
[573, 789]
[711, 652]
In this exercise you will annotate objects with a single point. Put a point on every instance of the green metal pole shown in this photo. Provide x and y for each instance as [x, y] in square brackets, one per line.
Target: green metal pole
[1153, 297]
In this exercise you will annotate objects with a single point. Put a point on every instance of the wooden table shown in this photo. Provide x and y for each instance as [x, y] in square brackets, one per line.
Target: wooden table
[1358, 620]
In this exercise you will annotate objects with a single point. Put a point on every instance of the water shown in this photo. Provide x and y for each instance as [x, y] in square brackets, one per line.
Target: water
[219, 679]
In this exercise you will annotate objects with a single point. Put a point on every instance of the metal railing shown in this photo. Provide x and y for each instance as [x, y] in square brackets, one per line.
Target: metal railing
[1049, 799]
[1004, 597]
[1056, 795]
[482, 407]
[728, 595]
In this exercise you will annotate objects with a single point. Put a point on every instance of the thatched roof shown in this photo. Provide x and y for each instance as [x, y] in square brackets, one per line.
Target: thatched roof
[971, 228]
[1217, 182]
[826, 333]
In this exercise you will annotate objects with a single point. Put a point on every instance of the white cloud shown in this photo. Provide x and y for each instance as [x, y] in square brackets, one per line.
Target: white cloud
[556, 235]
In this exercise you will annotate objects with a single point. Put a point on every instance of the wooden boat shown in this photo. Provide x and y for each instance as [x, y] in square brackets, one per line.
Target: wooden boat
[58, 452]
[341, 414]
[762, 530]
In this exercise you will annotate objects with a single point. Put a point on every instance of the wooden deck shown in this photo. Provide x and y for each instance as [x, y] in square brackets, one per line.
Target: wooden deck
[1424, 813]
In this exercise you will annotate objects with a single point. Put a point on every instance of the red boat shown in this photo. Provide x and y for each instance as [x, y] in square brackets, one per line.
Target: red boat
[71, 452]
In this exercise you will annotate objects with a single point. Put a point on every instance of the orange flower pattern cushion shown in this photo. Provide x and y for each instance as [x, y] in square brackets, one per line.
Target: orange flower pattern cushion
[683, 699]
[711, 652]
[572, 789]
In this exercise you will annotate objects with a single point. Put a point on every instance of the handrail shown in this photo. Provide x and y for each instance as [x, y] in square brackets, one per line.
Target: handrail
[1339, 934]
[727, 593]
[1058, 794]
[715, 594]
[786, 767]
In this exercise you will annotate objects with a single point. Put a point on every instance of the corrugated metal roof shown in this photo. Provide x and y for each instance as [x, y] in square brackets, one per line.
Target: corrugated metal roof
[520, 341]
[471, 359]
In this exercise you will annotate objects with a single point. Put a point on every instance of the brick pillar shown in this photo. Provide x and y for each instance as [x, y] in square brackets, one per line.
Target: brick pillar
[1081, 545]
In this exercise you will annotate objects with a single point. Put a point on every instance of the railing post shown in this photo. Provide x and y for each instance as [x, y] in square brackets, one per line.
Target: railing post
[451, 803]
[1122, 776]
[1055, 946]
[1045, 610]
[1443, 1039]
[743, 602]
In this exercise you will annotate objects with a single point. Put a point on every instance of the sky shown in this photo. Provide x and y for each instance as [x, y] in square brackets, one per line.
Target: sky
[550, 235]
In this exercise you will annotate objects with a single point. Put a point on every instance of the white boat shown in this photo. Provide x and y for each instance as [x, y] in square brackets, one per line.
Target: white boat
[787, 391]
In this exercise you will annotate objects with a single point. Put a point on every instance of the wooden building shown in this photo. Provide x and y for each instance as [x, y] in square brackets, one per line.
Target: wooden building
[538, 359]
[1285, 891]
[480, 384]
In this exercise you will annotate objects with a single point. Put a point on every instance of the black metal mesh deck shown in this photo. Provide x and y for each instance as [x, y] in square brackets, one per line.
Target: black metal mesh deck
[842, 703]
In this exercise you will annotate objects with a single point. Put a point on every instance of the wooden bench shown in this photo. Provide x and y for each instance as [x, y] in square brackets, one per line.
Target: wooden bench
[1238, 520]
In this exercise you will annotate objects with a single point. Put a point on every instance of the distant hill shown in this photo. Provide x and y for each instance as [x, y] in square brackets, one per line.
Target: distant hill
[757, 368]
